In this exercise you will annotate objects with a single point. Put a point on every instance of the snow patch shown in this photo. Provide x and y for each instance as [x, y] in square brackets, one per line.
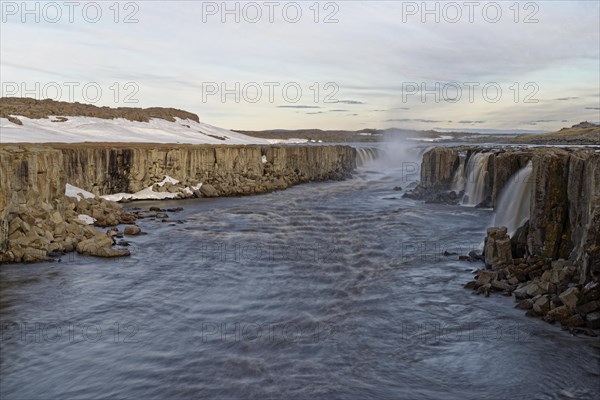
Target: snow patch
[149, 194]
[91, 129]
[86, 218]
[78, 193]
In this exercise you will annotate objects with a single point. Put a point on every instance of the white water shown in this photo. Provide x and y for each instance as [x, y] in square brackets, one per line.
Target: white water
[512, 209]
[365, 155]
[476, 176]
[458, 182]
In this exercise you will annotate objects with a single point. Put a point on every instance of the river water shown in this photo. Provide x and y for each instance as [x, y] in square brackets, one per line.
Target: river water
[336, 290]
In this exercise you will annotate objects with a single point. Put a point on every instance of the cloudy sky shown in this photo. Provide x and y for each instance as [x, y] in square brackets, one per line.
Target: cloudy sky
[329, 65]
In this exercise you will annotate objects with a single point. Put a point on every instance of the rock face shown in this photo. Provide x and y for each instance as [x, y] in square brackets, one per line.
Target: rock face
[36, 219]
[497, 247]
[565, 197]
[231, 170]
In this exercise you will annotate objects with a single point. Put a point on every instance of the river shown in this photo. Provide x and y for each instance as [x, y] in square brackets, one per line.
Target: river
[336, 290]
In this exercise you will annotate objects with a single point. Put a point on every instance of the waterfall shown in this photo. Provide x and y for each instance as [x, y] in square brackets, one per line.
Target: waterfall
[476, 179]
[512, 209]
[365, 155]
[458, 182]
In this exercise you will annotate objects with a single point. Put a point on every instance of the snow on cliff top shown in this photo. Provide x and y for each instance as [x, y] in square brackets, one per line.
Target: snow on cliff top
[91, 129]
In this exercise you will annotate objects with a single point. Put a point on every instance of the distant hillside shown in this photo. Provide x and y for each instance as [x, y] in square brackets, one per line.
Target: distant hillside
[582, 133]
[363, 135]
[38, 109]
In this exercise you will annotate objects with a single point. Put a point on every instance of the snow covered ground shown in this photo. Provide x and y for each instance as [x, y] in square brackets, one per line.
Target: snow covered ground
[90, 129]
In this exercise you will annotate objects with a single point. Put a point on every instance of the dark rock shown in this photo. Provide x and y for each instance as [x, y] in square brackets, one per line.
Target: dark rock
[518, 242]
[474, 255]
[154, 209]
[574, 320]
[588, 307]
[592, 320]
[397, 188]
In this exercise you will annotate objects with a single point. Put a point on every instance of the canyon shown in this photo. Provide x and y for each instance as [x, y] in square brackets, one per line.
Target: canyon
[38, 219]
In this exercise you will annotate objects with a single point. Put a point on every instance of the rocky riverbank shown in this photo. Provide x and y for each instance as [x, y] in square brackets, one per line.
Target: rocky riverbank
[552, 261]
[39, 221]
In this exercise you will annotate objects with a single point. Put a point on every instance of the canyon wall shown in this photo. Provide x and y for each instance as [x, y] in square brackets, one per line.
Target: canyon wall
[33, 176]
[564, 206]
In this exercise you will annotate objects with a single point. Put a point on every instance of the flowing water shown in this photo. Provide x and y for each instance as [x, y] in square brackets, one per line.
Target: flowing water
[336, 290]
[476, 176]
[513, 206]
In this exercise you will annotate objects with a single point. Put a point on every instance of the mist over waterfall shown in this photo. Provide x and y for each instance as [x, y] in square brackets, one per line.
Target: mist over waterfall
[512, 209]
[476, 179]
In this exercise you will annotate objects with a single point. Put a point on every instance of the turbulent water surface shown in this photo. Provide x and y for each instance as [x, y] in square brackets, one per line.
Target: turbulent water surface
[323, 291]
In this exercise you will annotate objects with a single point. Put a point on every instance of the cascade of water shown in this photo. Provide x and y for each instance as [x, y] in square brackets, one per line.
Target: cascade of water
[476, 176]
[512, 209]
[365, 155]
[458, 182]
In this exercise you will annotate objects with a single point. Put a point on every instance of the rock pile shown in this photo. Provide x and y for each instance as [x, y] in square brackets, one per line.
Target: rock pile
[546, 288]
[39, 230]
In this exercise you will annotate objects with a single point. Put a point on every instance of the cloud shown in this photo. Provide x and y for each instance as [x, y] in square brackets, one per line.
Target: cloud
[428, 121]
[567, 98]
[471, 122]
[313, 113]
[592, 108]
[298, 107]
[352, 115]
[350, 102]
[338, 110]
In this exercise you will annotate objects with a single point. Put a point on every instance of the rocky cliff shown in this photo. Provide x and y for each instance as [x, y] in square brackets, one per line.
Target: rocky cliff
[565, 193]
[552, 262]
[33, 178]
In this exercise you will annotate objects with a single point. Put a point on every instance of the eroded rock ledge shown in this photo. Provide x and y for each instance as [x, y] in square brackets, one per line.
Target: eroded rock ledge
[552, 262]
[37, 219]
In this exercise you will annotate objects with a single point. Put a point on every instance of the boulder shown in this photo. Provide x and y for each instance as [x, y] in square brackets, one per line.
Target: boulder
[570, 297]
[100, 246]
[592, 320]
[131, 230]
[560, 314]
[497, 247]
[542, 305]
[208, 190]
[484, 277]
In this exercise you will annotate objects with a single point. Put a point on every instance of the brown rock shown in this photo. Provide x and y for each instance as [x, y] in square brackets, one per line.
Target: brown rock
[132, 230]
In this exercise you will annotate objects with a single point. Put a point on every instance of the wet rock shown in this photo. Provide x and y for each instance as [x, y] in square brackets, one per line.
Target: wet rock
[131, 230]
[397, 188]
[501, 285]
[485, 277]
[573, 321]
[100, 246]
[588, 307]
[526, 304]
[161, 215]
[471, 285]
[155, 209]
[560, 314]
[542, 305]
[475, 256]
[592, 320]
